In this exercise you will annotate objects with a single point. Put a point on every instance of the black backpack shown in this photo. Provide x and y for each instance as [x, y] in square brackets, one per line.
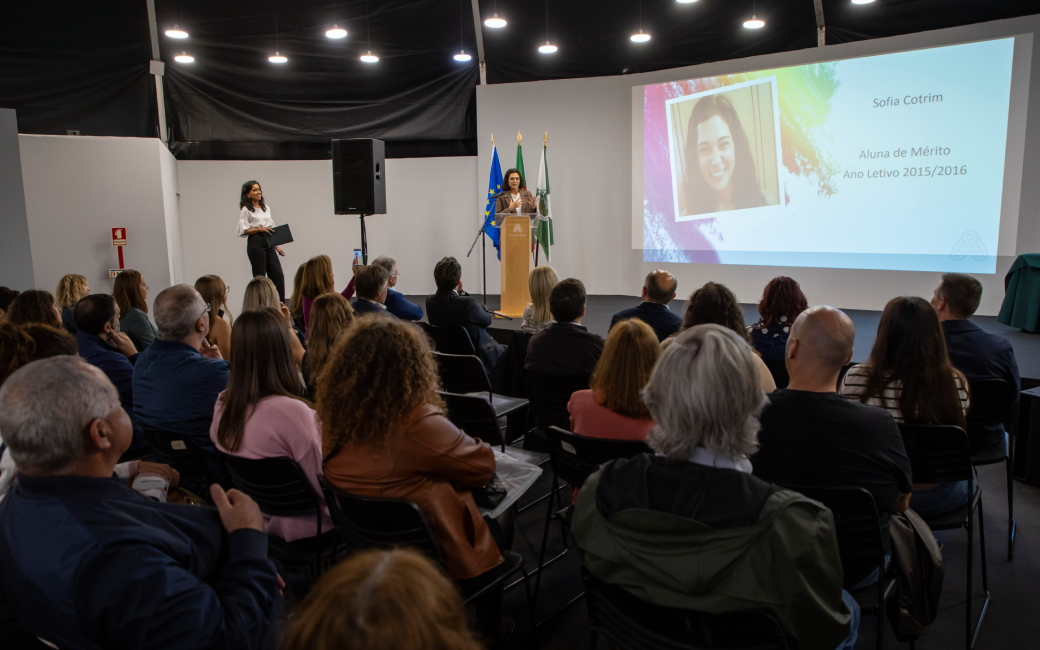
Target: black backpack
[918, 564]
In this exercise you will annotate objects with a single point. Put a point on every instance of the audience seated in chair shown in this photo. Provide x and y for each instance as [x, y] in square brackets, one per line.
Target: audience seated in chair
[88, 562]
[384, 434]
[71, 288]
[715, 303]
[813, 436]
[261, 292]
[658, 290]
[177, 379]
[395, 301]
[214, 292]
[317, 280]
[131, 294]
[261, 414]
[782, 301]
[372, 287]
[909, 374]
[296, 301]
[696, 498]
[612, 407]
[7, 296]
[449, 306]
[377, 600]
[34, 306]
[102, 344]
[565, 347]
[540, 283]
[331, 316]
[977, 354]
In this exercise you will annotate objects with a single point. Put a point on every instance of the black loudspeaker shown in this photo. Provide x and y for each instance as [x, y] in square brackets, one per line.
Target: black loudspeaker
[359, 176]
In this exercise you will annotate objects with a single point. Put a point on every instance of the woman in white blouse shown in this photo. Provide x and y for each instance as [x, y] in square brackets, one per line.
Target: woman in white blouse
[253, 221]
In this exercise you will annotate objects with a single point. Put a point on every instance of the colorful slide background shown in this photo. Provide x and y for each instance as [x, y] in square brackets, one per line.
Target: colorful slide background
[857, 188]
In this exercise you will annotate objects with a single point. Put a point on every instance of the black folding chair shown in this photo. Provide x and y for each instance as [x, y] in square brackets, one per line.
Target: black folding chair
[939, 454]
[573, 459]
[372, 522]
[181, 454]
[858, 527]
[779, 371]
[465, 375]
[475, 416]
[450, 339]
[281, 489]
[993, 402]
[629, 623]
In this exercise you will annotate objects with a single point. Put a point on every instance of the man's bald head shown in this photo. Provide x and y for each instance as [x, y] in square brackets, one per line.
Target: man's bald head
[660, 286]
[825, 337]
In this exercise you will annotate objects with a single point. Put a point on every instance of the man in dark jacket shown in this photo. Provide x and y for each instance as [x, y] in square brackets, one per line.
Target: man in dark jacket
[372, 291]
[88, 563]
[449, 307]
[978, 354]
[395, 301]
[658, 290]
[565, 347]
[103, 345]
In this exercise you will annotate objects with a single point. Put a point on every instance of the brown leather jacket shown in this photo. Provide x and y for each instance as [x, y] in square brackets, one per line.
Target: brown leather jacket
[435, 465]
[529, 203]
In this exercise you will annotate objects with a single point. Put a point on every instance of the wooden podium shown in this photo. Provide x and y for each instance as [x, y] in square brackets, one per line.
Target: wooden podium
[515, 244]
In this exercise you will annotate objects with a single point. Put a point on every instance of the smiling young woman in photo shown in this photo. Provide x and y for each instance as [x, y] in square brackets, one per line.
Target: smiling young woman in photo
[720, 172]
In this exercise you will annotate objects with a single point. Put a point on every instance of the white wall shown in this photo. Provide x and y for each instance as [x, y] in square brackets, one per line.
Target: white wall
[77, 188]
[431, 204]
[589, 122]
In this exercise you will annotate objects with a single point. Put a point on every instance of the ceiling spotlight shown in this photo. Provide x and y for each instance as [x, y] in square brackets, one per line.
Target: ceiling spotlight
[754, 23]
[183, 58]
[462, 56]
[495, 22]
[370, 58]
[688, 1]
[336, 32]
[277, 58]
[640, 37]
[548, 48]
[176, 32]
[862, 2]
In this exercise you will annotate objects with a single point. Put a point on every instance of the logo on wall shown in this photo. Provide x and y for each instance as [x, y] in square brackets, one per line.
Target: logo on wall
[517, 228]
[969, 244]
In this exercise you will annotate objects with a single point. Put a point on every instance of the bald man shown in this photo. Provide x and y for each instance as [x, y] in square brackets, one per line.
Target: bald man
[813, 436]
[658, 290]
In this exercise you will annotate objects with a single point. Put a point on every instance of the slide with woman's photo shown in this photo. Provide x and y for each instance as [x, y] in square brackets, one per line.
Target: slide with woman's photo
[893, 161]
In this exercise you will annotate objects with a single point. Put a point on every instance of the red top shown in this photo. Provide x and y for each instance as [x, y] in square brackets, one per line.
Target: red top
[595, 421]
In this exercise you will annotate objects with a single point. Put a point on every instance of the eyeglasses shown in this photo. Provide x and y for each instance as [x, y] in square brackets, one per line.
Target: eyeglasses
[204, 311]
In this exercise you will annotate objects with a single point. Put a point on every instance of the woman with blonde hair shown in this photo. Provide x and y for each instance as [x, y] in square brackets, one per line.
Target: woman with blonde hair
[331, 315]
[261, 292]
[71, 288]
[214, 292]
[536, 314]
[612, 407]
[377, 600]
[131, 294]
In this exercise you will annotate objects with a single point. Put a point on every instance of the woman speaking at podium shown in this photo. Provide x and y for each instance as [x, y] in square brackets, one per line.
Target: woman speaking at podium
[253, 222]
[514, 199]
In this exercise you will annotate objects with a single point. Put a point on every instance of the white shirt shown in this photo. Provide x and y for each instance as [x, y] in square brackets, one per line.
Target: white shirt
[516, 197]
[256, 219]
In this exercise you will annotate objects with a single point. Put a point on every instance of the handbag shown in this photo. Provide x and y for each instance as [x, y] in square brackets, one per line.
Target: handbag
[489, 496]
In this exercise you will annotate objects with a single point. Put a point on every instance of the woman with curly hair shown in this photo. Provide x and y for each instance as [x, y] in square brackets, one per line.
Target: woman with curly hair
[782, 301]
[34, 306]
[71, 288]
[381, 599]
[384, 434]
[715, 304]
[131, 294]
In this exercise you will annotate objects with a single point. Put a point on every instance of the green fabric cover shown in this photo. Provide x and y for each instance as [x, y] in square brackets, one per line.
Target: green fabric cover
[788, 562]
[1021, 306]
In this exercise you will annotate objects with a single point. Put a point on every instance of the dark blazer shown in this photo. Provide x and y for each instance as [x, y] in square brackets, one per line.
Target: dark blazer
[87, 563]
[449, 308]
[120, 371]
[530, 203]
[564, 349]
[981, 355]
[68, 319]
[397, 305]
[362, 306]
[654, 314]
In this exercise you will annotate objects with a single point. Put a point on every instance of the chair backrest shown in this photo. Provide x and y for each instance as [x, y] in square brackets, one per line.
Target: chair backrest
[778, 368]
[574, 457]
[844, 371]
[549, 394]
[629, 623]
[516, 355]
[462, 374]
[475, 416]
[992, 402]
[179, 453]
[938, 453]
[372, 522]
[856, 520]
[450, 339]
[278, 485]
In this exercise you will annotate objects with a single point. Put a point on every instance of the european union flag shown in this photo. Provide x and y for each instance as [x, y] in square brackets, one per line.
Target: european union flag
[491, 227]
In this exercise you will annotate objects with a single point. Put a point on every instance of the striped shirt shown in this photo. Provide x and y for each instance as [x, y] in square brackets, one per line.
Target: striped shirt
[855, 384]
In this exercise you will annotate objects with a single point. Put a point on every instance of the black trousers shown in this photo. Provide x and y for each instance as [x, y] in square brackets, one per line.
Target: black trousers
[265, 262]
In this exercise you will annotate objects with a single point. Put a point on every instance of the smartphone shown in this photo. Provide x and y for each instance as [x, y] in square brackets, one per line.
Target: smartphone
[358, 259]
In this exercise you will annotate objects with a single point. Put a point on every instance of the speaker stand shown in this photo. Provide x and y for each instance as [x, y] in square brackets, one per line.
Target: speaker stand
[364, 242]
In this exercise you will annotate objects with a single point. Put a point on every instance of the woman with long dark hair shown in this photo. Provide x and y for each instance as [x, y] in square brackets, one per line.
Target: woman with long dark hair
[254, 220]
[909, 374]
[131, 294]
[782, 301]
[720, 171]
[331, 316]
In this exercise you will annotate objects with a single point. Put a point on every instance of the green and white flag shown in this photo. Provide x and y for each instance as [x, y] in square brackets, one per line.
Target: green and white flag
[543, 230]
[520, 160]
